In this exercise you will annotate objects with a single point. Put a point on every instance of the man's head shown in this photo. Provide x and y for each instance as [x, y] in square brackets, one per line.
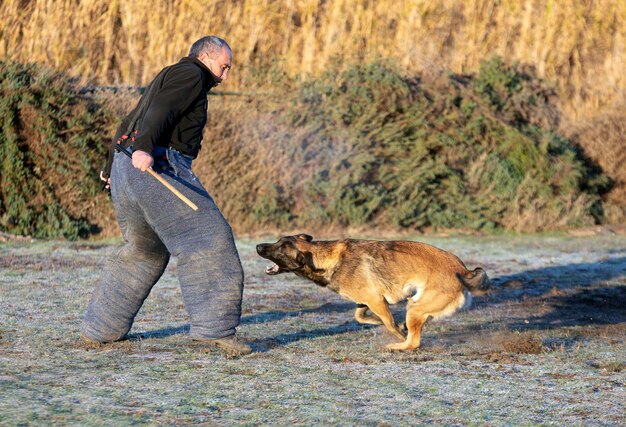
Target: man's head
[215, 53]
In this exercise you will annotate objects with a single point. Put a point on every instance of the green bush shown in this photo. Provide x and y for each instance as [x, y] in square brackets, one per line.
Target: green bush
[51, 145]
[460, 153]
[365, 147]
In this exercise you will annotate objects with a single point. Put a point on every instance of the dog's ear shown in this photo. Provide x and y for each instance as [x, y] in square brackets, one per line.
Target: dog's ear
[306, 259]
[305, 237]
[301, 258]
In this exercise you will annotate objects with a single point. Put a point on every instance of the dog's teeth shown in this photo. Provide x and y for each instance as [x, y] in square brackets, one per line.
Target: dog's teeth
[272, 269]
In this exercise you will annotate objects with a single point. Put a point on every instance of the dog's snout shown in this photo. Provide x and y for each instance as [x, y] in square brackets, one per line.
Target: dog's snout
[261, 248]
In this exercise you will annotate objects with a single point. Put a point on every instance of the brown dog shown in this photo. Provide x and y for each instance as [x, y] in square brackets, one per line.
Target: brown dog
[375, 274]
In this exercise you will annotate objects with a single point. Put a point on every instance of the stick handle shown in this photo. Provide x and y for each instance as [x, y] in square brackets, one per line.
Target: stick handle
[169, 186]
[159, 178]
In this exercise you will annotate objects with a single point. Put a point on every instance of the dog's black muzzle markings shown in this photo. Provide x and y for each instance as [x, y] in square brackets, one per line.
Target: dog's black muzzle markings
[282, 262]
[267, 251]
[263, 248]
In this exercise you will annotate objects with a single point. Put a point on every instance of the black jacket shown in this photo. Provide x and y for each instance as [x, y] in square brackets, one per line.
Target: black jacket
[171, 113]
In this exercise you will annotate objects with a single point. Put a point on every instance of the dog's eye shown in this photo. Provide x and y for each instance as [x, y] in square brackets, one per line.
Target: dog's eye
[287, 244]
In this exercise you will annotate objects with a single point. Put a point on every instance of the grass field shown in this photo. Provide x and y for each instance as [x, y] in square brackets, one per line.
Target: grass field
[547, 346]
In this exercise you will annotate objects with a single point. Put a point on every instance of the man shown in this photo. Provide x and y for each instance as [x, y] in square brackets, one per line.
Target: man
[165, 130]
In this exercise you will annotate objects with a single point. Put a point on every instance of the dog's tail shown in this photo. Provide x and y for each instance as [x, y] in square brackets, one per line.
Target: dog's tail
[476, 280]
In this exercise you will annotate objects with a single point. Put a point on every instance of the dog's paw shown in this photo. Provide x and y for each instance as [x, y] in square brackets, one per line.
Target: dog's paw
[403, 346]
[396, 346]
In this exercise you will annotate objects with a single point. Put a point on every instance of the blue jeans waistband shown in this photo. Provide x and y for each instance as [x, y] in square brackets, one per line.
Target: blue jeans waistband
[166, 158]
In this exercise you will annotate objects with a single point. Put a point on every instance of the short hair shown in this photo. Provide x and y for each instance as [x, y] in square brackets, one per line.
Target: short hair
[212, 45]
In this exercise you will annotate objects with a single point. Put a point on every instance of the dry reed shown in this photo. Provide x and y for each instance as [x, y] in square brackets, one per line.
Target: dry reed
[581, 45]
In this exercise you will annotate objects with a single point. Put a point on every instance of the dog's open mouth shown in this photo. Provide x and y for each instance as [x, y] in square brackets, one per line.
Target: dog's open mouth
[272, 269]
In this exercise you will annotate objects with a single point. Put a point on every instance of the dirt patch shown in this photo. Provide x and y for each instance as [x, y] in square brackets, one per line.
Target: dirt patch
[520, 342]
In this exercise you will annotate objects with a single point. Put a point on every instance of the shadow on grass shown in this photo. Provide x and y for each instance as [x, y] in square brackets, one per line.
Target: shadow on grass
[579, 294]
[564, 276]
[272, 316]
[159, 333]
[266, 344]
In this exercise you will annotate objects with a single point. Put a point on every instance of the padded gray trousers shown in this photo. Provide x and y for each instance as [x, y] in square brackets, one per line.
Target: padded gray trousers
[156, 224]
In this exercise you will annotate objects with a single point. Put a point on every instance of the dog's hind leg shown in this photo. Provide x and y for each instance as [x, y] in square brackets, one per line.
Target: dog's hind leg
[369, 319]
[381, 309]
[415, 321]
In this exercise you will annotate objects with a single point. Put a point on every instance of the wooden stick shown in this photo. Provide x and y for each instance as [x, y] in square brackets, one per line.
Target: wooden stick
[169, 186]
[162, 180]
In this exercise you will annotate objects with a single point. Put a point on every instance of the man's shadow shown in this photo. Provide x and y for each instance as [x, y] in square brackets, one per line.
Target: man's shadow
[578, 294]
[265, 344]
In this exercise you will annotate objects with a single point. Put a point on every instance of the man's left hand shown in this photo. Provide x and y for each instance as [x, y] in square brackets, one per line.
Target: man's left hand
[107, 181]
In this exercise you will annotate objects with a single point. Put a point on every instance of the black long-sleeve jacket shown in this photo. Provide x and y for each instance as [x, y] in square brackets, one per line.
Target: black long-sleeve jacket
[171, 113]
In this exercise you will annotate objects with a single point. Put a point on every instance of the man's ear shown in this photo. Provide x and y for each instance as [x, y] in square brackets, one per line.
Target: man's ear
[305, 237]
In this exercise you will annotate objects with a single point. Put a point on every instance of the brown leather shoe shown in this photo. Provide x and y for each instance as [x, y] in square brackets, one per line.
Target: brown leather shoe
[231, 346]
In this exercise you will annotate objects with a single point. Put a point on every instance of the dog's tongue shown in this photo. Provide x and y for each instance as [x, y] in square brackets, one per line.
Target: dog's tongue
[272, 269]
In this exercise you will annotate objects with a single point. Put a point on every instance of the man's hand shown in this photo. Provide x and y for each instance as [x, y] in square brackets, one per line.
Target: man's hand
[107, 181]
[142, 160]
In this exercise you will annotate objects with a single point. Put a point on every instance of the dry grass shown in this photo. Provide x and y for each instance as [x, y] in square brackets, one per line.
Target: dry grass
[579, 45]
[603, 138]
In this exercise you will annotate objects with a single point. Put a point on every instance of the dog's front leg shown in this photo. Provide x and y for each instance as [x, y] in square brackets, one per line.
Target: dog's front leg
[381, 309]
[368, 319]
